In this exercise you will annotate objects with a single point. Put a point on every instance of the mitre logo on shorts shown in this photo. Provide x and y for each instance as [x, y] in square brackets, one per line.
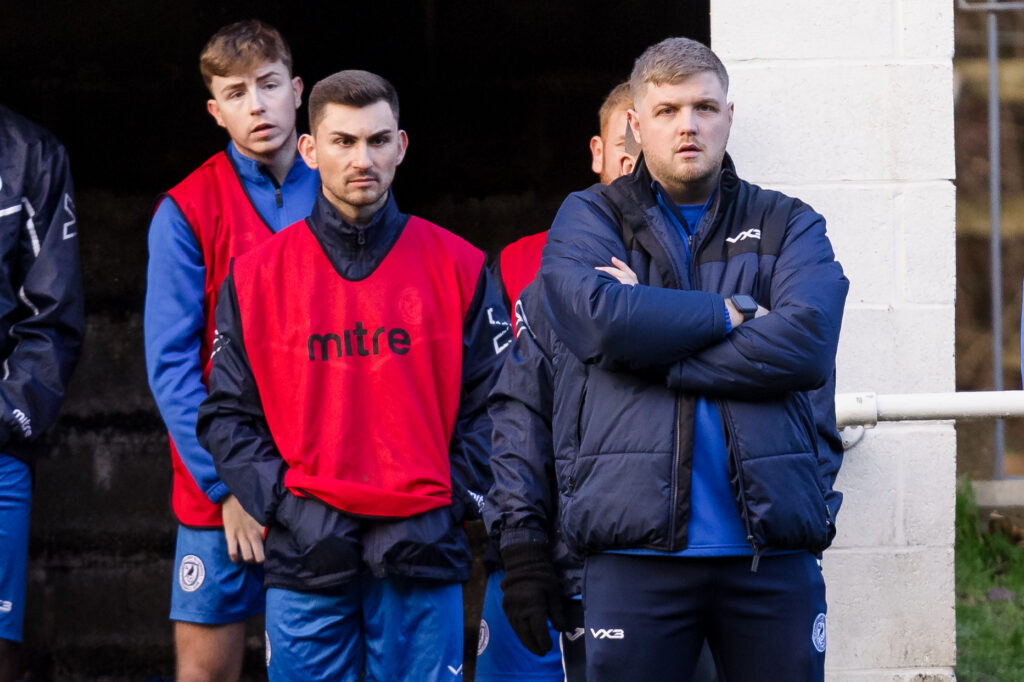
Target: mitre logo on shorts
[191, 573]
[358, 341]
[6, 606]
[266, 642]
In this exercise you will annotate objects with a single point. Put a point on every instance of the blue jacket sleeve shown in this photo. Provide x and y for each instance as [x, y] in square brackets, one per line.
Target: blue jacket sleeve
[48, 325]
[521, 503]
[612, 324]
[231, 423]
[173, 326]
[793, 347]
[487, 335]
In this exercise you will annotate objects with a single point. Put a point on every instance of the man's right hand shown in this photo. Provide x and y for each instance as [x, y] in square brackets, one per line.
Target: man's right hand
[532, 595]
[243, 533]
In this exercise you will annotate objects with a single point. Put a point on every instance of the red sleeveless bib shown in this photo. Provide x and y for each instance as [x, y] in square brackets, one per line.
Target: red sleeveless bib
[519, 263]
[360, 380]
[226, 225]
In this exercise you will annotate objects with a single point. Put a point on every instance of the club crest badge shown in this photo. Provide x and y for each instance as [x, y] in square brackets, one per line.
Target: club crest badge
[191, 573]
[818, 633]
[485, 637]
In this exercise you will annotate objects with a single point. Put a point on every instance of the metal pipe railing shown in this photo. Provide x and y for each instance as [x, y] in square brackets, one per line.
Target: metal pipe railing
[867, 409]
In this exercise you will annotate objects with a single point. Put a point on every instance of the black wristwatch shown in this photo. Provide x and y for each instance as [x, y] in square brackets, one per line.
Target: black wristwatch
[745, 304]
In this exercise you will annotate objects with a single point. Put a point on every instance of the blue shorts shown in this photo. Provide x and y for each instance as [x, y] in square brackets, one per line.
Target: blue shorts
[15, 504]
[208, 588]
[647, 617]
[376, 629]
[499, 653]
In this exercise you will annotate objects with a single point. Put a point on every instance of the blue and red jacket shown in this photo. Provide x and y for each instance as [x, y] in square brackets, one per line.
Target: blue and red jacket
[224, 208]
[626, 366]
[347, 406]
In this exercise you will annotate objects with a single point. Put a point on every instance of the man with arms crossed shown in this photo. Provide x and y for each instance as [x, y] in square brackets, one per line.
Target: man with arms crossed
[354, 355]
[687, 321]
[40, 338]
[237, 199]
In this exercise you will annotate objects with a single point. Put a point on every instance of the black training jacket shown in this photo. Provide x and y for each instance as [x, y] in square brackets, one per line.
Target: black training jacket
[41, 308]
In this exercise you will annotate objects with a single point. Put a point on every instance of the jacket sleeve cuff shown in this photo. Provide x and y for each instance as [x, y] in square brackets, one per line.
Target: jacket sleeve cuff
[515, 536]
[218, 492]
[721, 324]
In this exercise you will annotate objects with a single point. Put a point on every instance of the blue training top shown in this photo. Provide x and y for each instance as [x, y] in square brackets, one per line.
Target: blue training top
[174, 320]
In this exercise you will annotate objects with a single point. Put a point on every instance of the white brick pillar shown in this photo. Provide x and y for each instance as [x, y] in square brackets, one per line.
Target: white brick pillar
[849, 106]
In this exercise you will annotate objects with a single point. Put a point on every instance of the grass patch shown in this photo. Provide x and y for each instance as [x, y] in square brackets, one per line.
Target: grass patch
[989, 620]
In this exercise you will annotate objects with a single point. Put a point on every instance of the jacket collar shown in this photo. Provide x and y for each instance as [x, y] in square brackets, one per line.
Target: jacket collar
[256, 171]
[355, 251]
[644, 189]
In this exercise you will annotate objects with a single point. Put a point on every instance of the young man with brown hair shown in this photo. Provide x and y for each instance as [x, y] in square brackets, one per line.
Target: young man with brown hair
[237, 199]
[354, 355]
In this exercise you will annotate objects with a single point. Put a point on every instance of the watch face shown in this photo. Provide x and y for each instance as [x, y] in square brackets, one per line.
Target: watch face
[744, 303]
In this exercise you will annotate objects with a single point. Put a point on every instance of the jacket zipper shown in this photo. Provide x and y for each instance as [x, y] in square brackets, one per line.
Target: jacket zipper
[571, 481]
[278, 199]
[675, 476]
[744, 510]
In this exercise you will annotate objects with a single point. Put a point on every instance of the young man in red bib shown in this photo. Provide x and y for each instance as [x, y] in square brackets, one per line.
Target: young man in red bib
[354, 355]
[238, 198]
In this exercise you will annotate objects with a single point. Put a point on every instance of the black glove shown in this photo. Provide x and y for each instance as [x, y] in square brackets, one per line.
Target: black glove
[533, 595]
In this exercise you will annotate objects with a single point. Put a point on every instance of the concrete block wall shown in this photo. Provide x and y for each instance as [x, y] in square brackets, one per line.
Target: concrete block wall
[850, 107]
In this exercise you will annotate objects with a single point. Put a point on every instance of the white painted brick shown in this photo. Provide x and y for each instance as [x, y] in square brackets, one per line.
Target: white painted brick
[811, 29]
[813, 122]
[890, 609]
[926, 29]
[802, 29]
[927, 216]
[928, 480]
[861, 223]
[907, 350]
[870, 483]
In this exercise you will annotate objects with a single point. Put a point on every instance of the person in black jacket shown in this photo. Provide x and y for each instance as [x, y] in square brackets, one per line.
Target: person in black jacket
[354, 354]
[683, 334]
[41, 330]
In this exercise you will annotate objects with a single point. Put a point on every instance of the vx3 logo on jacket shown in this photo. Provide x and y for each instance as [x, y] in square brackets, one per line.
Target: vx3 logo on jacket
[752, 233]
[356, 342]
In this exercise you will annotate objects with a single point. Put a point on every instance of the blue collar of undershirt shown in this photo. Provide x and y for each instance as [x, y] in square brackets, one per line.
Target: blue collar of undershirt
[256, 171]
[686, 217]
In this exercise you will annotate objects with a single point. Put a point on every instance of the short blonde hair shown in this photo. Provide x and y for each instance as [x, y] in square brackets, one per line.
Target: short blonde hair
[619, 98]
[673, 60]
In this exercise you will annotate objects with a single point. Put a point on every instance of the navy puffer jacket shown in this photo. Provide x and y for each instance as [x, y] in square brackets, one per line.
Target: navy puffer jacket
[629, 362]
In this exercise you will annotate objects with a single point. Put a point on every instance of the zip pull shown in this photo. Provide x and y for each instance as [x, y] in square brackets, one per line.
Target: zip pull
[757, 554]
[277, 196]
[361, 236]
